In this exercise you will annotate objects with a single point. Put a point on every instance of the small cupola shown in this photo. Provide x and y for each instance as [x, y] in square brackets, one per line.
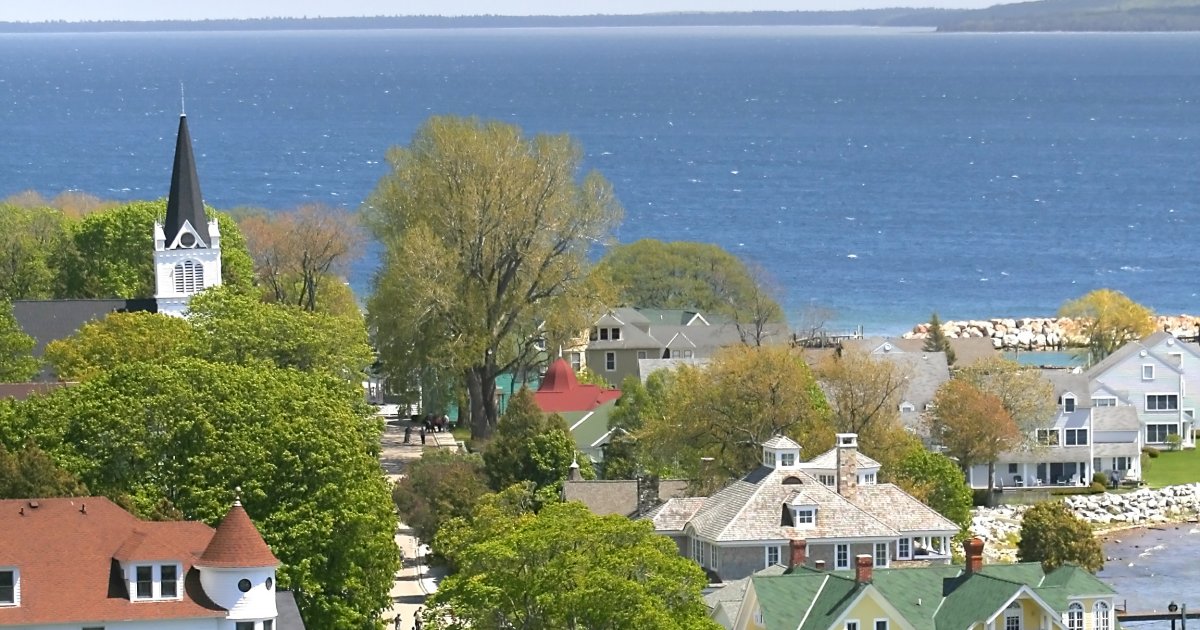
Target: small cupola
[781, 453]
[237, 569]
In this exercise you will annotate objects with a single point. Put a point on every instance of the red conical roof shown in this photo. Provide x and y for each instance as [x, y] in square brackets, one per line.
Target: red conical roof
[237, 543]
[559, 377]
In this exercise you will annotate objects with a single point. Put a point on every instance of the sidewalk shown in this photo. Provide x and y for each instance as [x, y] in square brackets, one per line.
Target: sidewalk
[415, 579]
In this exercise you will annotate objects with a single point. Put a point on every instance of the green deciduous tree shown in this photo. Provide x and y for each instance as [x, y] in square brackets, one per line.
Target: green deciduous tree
[681, 274]
[972, 425]
[113, 254]
[486, 234]
[119, 339]
[936, 340]
[181, 435]
[32, 239]
[438, 487]
[1053, 535]
[864, 394]
[717, 417]
[30, 473]
[16, 349]
[566, 568]
[1108, 319]
[530, 445]
[936, 481]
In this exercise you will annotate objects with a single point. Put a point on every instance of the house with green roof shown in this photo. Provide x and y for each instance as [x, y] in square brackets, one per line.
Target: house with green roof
[938, 597]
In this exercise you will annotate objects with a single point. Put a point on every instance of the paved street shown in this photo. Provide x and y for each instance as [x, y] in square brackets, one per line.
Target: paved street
[414, 580]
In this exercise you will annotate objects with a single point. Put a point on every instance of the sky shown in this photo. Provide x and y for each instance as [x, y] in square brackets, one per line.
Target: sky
[79, 10]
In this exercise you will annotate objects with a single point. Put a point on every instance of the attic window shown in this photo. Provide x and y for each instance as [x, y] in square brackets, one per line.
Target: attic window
[1068, 403]
[792, 481]
[804, 516]
[907, 407]
[1147, 372]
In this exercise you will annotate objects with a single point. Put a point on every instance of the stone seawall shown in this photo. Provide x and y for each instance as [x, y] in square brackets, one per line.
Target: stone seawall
[1000, 527]
[1041, 333]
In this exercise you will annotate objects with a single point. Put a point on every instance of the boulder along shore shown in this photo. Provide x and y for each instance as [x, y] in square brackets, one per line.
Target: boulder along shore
[1000, 527]
[1041, 333]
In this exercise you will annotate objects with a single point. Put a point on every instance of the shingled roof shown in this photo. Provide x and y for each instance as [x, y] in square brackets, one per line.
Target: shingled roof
[237, 543]
[184, 203]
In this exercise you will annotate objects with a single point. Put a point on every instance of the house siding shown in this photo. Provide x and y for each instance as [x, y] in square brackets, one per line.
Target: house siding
[1125, 378]
[740, 562]
[626, 363]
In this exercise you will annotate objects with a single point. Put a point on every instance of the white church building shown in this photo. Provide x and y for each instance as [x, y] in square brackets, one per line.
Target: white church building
[187, 248]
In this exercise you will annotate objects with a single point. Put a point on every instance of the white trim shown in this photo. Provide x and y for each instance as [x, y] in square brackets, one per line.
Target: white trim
[813, 602]
[1150, 372]
[16, 571]
[1025, 590]
[883, 603]
[875, 623]
[1146, 402]
[581, 421]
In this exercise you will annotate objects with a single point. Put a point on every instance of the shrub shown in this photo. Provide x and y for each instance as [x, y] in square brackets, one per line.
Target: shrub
[1150, 451]
[1100, 478]
[1174, 442]
[1098, 487]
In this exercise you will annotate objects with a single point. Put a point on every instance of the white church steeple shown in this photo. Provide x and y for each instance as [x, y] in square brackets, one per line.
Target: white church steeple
[187, 248]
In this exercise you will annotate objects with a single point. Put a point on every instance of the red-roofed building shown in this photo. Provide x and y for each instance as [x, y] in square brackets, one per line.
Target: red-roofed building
[87, 563]
[561, 392]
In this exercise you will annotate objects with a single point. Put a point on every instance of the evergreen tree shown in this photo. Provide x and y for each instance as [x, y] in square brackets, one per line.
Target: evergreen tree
[937, 341]
[1053, 535]
[530, 445]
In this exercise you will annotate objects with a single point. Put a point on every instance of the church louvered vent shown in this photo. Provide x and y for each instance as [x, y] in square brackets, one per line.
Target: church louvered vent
[189, 277]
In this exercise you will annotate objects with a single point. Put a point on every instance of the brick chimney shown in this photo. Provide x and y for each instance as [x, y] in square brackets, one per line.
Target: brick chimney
[847, 465]
[973, 549]
[799, 549]
[862, 568]
[819, 565]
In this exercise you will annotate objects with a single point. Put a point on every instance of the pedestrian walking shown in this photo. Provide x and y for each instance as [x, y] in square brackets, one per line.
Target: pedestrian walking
[408, 435]
[422, 435]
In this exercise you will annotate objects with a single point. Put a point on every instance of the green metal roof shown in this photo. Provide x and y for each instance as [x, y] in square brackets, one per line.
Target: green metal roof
[785, 599]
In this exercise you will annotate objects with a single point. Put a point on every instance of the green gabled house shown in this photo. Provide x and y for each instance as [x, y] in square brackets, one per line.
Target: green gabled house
[941, 597]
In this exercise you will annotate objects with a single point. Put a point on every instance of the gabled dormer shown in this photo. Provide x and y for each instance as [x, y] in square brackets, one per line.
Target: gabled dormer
[800, 511]
[150, 572]
[781, 453]
[1067, 402]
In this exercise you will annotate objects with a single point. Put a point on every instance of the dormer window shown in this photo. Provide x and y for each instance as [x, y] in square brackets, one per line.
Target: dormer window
[1068, 403]
[787, 460]
[155, 582]
[10, 587]
[804, 516]
[907, 407]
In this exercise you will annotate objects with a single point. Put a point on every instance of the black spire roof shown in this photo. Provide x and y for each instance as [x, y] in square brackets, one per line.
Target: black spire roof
[184, 203]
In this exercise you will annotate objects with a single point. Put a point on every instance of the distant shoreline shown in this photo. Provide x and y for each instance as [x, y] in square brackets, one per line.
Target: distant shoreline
[1030, 17]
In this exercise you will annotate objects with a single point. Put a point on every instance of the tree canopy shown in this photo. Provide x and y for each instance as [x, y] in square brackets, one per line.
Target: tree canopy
[486, 234]
[177, 437]
[33, 240]
[438, 487]
[717, 417]
[531, 446]
[936, 481]
[1053, 535]
[29, 473]
[1109, 320]
[972, 425]
[1025, 395]
[299, 256]
[864, 395]
[687, 275]
[17, 363]
[566, 568]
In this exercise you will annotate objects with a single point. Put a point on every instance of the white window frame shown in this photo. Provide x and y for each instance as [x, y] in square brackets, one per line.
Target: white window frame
[1057, 441]
[16, 577]
[904, 548]
[882, 620]
[696, 550]
[1074, 616]
[787, 459]
[610, 361]
[156, 582]
[1069, 403]
[604, 334]
[841, 556]
[1017, 612]
[851, 624]
[576, 359]
[1147, 371]
[907, 407]
[886, 555]
[1167, 398]
[1104, 401]
[615, 335]
[767, 561]
[869, 479]
[1168, 430]
[804, 516]
[827, 480]
[1101, 616]
[1076, 434]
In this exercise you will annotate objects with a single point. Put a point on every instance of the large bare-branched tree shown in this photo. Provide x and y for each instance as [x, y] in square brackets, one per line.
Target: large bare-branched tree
[486, 234]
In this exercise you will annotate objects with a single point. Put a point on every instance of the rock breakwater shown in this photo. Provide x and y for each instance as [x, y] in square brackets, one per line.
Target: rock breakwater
[1000, 527]
[1041, 333]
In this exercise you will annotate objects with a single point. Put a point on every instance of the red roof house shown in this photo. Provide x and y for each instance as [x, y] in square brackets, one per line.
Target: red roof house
[561, 392]
[86, 562]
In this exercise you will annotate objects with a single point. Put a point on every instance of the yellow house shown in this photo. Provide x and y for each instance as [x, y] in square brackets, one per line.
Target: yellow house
[971, 597]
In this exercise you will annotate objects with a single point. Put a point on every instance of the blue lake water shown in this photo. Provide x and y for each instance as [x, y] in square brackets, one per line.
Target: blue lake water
[1152, 567]
[884, 174]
